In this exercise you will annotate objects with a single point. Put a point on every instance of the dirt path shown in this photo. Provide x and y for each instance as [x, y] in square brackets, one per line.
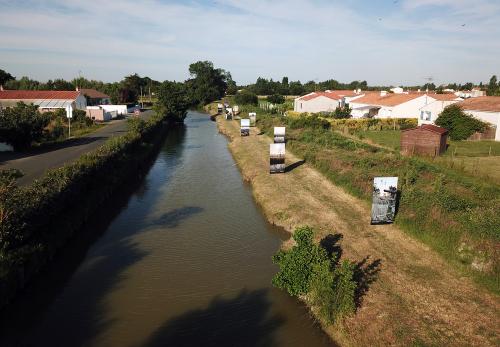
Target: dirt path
[417, 299]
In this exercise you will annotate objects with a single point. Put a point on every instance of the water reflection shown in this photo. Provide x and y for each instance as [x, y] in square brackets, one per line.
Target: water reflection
[186, 260]
[245, 318]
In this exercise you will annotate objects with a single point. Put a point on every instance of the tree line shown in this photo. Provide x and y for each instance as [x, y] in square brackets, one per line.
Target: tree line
[23, 125]
[263, 86]
[206, 83]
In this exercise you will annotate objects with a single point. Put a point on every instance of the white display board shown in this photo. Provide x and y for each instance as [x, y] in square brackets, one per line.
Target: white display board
[277, 158]
[384, 200]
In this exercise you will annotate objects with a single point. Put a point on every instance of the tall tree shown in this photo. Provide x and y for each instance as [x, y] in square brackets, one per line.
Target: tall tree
[493, 88]
[5, 76]
[206, 83]
[172, 101]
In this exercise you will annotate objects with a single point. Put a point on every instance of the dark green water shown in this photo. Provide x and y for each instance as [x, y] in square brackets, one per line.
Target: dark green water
[183, 259]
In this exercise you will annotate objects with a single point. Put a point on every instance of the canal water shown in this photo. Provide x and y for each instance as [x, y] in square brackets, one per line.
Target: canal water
[182, 259]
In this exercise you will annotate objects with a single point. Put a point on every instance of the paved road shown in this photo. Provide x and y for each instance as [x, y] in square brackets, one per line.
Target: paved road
[34, 164]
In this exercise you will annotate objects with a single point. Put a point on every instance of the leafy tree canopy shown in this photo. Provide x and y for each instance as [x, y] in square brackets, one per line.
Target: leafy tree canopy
[459, 124]
[5, 76]
[276, 99]
[246, 97]
[297, 264]
[172, 100]
[207, 83]
[21, 125]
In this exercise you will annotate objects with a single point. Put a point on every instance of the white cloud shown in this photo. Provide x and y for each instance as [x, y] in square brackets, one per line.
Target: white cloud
[301, 39]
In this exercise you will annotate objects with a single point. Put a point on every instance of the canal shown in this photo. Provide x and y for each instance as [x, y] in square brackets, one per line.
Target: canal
[181, 259]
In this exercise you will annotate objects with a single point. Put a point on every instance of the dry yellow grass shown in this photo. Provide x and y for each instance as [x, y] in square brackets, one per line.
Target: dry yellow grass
[417, 299]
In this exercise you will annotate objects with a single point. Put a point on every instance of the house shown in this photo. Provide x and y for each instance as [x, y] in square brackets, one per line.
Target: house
[94, 97]
[97, 113]
[326, 101]
[389, 105]
[485, 108]
[430, 112]
[426, 139]
[474, 93]
[46, 100]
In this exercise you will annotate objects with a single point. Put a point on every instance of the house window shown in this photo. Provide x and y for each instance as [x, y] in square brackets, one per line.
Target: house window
[425, 115]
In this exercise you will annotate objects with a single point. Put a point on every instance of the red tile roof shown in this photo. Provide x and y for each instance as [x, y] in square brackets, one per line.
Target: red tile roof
[444, 97]
[38, 94]
[434, 128]
[94, 94]
[334, 94]
[481, 103]
[390, 99]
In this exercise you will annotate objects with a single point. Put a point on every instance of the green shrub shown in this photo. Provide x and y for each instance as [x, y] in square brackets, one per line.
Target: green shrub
[246, 98]
[313, 121]
[276, 99]
[21, 125]
[334, 292]
[307, 269]
[136, 125]
[459, 124]
[296, 265]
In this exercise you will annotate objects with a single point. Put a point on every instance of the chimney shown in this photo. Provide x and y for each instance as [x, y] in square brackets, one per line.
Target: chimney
[383, 93]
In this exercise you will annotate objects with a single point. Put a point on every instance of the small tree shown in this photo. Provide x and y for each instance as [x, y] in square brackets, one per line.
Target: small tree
[297, 264]
[333, 292]
[342, 112]
[172, 101]
[246, 98]
[21, 125]
[459, 124]
[276, 99]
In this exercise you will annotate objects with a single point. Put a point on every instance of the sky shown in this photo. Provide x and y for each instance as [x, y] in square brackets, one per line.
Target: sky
[385, 42]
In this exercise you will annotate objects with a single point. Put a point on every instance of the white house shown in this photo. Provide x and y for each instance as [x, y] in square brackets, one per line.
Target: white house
[485, 108]
[389, 105]
[326, 101]
[46, 100]
[474, 93]
[430, 112]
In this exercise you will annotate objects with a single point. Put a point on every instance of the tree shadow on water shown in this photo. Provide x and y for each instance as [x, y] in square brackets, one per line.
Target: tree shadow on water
[171, 219]
[241, 321]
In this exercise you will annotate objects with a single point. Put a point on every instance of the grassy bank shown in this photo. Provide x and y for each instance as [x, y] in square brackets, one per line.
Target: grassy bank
[414, 296]
[38, 219]
[453, 213]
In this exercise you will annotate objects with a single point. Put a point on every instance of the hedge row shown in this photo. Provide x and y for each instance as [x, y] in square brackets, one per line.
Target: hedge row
[356, 124]
[37, 220]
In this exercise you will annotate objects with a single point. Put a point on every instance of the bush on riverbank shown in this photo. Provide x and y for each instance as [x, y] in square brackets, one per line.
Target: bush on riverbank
[453, 213]
[37, 220]
[307, 269]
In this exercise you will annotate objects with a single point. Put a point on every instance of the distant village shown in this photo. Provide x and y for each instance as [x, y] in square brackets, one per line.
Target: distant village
[398, 103]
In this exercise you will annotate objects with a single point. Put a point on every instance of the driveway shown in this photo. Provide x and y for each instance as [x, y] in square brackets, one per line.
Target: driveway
[35, 163]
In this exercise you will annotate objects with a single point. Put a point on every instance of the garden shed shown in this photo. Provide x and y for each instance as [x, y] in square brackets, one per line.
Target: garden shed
[426, 139]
